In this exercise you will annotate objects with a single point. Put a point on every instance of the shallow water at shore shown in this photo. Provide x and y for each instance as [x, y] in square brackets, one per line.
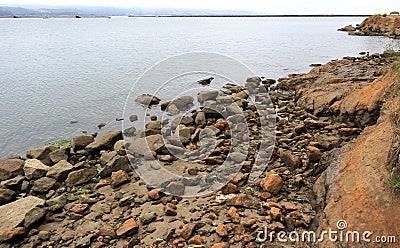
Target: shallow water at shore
[58, 70]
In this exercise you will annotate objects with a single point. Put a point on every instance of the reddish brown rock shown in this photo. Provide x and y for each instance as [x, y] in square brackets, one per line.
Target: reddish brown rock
[103, 182]
[289, 159]
[79, 208]
[243, 200]
[129, 225]
[187, 231]
[230, 188]
[272, 183]
[196, 240]
[265, 196]
[222, 230]
[11, 233]
[154, 194]
[276, 213]
[220, 245]
[232, 213]
[118, 178]
[314, 154]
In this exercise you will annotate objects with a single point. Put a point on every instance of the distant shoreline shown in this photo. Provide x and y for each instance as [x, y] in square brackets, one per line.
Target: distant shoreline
[185, 16]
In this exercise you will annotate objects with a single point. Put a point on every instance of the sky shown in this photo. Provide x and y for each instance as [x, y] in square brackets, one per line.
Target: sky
[265, 6]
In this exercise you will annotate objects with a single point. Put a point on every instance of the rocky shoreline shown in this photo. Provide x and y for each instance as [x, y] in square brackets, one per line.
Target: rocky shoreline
[89, 195]
[376, 25]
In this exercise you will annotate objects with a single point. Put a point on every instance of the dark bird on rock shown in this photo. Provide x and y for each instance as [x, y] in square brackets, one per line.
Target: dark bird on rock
[205, 81]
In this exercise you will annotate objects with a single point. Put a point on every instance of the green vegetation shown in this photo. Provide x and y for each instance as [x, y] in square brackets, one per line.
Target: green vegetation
[247, 190]
[81, 191]
[62, 143]
[384, 15]
[395, 183]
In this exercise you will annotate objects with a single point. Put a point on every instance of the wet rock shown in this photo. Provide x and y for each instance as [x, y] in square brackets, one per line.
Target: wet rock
[187, 231]
[290, 159]
[130, 132]
[173, 109]
[44, 184]
[127, 227]
[60, 170]
[207, 95]
[119, 147]
[196, 240]
[42, 154]
[81, 141]
[13, 214]
[243, 200]
[118, 178]
[116, 164]
[221, 230]
[57, 203]
[133, 118]
[6, 195]
[272, 183]
[148, 100]
[314, 154]
[105, 142]
[183, 102]
[347, 28]
[232, 213]
[80, 176]
[34, 168]
[205, 81]
[10, 168]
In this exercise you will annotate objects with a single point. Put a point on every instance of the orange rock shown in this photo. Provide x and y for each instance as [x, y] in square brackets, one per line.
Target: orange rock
[220, 245]
[187, 230]
[222, 230]
[154, 194]
[196, 240]
[276, 213]
[265, 196]
[232, 213]
[118, 178]
[128, 226]
[289, 159]
[11, 233]
[272, 183]
[79, 208]
[230, 188]
[102, 183]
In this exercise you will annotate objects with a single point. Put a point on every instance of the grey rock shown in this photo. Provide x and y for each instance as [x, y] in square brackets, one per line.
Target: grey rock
[207, 95]
[200, 119]
[42, 154]
[13, 214]
[107, 157]
[105, 142]
[10, 168]
[116, 164]
[144, 146]
[44, 184]
[81, 141]
[34, 169]
[183, 102]
[133, 118]
[60, 170]
[148, 100]
[80, 176]
[33, 216]
[57, 203]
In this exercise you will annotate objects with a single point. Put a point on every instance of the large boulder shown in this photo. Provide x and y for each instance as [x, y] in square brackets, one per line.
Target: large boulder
[81, 176]
[59, 154]
[13, 215]
[44, 184]
[148, 100]
[60, 170]
[183, 102]
[207, 95]
[42, 154]
[10, 168]
[35, 169]
[115, 164]
[81, 141]
[105, 142]
[144, 146]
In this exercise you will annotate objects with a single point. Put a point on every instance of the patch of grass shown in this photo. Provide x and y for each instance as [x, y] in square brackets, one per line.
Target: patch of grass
[80, 191]
[395, 183]
[247, 190]
[62, 143]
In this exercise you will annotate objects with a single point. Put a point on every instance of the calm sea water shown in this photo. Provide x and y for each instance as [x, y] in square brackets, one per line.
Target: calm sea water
[54, 71]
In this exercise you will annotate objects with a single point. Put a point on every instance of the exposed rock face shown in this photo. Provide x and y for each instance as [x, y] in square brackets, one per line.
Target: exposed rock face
[35, 169]
[42, 154]
[379, 25]
[10, 168]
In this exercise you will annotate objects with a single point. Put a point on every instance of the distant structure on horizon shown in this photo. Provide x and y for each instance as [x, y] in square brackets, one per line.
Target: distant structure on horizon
[394, 13]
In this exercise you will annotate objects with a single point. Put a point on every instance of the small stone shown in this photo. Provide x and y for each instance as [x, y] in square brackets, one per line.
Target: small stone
[187, 231]
[200, 119]
[243, 200]
[79, 208]
[43, 184]
[276, 226]
[56, 203]
[42, 154]
[314, 154]
[230, 188]
[220, 245]
[289, 159]
[60, 154]
[129, 226]
[44, 235]
[33, 216]
[35, 169]
[289, 206]
[250, 222]
[118, 178]
[107, 230]
[133, 118]
[154, 194]
[232, 213]
[265, 196]
[105, 142]
[166, 158]
[276, 213]
[272, 183]
[147, 218]
[80, 176]
[300, 129]
[102, 183]
[222, 230]
[212, 216]
[196, 240]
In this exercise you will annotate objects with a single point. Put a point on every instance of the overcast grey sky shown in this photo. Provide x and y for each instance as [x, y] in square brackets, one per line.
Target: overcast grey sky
[268, 6]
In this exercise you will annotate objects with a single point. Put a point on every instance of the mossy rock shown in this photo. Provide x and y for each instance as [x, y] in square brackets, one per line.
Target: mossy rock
[62, 143]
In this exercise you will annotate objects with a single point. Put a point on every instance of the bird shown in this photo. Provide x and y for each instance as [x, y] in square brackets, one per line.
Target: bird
[205, 81]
